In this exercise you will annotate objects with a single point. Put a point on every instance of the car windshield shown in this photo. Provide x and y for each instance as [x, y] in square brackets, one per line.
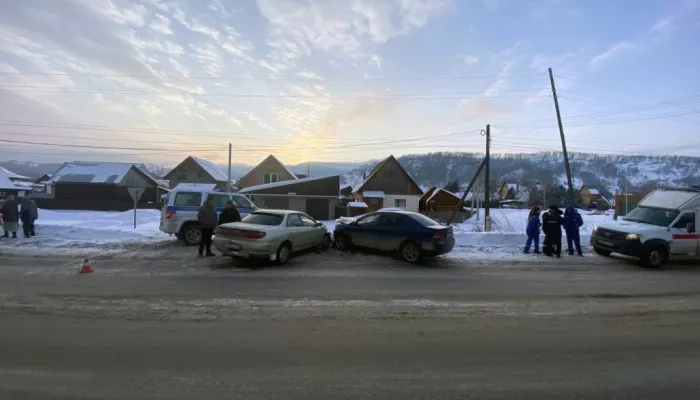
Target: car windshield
[652, 216]
[423, 220]
[263, 219]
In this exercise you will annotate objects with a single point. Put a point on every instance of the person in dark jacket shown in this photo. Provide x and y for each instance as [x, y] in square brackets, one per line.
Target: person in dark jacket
[572, 223]
[10, 216]
[533, 230]
[207, 221]
[551, 225]
[230, 214]
[28, 213]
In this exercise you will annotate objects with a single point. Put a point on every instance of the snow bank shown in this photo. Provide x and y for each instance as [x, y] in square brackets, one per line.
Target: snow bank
[515, 221]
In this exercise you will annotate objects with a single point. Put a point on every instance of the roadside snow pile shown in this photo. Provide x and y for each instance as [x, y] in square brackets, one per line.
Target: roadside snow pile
[507, 238]
[90, 229]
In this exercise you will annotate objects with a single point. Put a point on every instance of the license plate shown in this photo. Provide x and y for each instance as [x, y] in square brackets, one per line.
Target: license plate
[605, 243]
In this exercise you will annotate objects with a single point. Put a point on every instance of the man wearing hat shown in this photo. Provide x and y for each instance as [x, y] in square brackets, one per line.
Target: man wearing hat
[552, 222]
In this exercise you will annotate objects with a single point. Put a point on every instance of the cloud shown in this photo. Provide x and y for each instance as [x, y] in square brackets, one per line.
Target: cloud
[664, 25]
[475, 109]
[161, 24]
[615, 50]
[471, 59]
[501, 81]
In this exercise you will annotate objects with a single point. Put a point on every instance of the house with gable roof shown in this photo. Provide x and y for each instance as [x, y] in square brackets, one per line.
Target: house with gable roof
[270, 170]
[196, 170]
[388, 185]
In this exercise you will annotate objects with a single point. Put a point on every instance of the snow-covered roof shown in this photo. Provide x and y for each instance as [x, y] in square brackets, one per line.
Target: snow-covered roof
[6, 183]
[283, 183]
[12, 175]
[373, 194]
[95, 172]
[379, 166]
[357, 204]
[195, 187]
[442, 190]
[211, 169]
[27, 185]
[593, 191]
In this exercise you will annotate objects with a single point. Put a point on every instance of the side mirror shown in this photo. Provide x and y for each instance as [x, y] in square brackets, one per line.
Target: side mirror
[690, 227]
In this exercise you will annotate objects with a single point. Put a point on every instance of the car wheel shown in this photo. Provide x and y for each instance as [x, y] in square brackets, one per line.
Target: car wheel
[342, 243]
[602, 252]
[411, 252]
[326, 243]
[192, 235]
[655, 257]
[283, 253]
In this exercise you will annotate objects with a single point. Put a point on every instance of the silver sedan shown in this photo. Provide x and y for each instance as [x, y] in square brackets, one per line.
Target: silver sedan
[273, 234]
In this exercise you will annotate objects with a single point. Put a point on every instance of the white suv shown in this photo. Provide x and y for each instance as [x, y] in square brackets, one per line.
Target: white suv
[179, 213]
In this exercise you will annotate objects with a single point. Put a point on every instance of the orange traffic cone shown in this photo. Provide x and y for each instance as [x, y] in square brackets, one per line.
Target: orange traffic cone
[85, 268]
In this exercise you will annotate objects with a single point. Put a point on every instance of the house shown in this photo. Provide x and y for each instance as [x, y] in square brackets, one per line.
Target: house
[14, 177]
[505, 191]
[9, 187]
[441, 200]
[270, 170]
[316, 196]
[388, 185]
[196, 170]
[101, 186]
[422, 202]
[593, 195]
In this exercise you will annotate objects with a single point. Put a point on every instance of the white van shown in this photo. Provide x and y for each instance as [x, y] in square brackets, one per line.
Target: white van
[661, 227]
[179, 213]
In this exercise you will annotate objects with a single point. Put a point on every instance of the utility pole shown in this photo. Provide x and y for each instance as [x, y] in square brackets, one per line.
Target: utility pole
[563, 140]
[487, 177]
[228, 184]
[308, 169]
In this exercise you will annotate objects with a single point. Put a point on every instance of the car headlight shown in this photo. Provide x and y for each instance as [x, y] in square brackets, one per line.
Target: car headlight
[595, 228]
[633, 236]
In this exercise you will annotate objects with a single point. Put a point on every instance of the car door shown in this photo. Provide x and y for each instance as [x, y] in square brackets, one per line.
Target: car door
[363, 230]
[296, 232]
[684, 242]
[313, 230]
[390, 231]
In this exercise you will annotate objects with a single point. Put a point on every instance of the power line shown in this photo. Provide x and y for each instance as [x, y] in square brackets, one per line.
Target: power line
[84, 146]
[297, 78]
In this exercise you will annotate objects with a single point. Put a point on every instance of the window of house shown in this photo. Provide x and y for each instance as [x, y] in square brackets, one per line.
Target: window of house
[400, 203]
[188, 199]
[181, 177]
[373, 202]
[271, 178]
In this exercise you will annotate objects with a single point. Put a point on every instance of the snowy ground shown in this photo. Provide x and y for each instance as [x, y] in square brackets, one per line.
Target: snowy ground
[92, 232]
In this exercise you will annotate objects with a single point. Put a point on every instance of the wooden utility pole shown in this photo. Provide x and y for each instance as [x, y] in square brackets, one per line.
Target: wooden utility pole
[228, 184]
[563, 140]
[469, 188]
[487, 178]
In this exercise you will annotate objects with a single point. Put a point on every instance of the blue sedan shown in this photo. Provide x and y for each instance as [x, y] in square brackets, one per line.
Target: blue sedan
[412, 234]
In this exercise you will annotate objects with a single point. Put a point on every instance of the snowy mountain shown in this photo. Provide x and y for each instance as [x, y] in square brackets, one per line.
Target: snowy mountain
[611, 172]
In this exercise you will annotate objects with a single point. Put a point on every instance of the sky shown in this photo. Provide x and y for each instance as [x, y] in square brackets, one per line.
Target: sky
[344, 80]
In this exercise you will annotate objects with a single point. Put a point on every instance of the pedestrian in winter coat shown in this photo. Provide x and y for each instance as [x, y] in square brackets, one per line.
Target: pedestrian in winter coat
[28, 213]
[572, 223]
[10, 216]
[552, 230]
[230, 214]
[533, 230]
[207, 221]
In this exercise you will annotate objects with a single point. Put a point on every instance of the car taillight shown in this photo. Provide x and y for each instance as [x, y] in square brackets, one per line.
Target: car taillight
[228, 232]
[170, 213]
[437, 237]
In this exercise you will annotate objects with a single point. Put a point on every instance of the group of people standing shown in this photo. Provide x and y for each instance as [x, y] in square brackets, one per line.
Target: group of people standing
[551, 223]
[208, 221]
[13, 211]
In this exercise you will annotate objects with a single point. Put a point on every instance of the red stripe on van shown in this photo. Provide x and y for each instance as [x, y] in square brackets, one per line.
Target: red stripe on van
[687, 236]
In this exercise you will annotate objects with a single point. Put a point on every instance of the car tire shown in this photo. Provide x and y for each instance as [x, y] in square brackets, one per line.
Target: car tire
[342, 243]
[284, 253]
[655, 257]
[326, 242]
[411, 252]
[601, 252]
[192, 234]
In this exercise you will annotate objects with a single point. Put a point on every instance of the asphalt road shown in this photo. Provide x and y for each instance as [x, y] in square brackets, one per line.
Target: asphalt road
[347, 326]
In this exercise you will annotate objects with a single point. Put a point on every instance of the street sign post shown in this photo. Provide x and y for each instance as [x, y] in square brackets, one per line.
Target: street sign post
[136, 193]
